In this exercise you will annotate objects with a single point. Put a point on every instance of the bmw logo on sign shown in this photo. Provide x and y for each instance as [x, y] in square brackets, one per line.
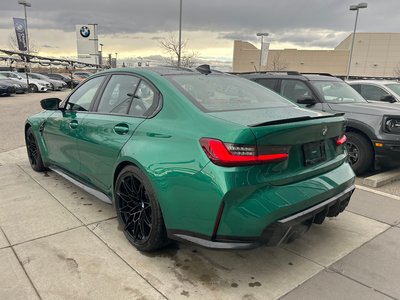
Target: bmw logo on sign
[20, 27]
[85, 31]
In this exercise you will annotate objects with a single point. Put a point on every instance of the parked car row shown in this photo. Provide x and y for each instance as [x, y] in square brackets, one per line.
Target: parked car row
[14, 82]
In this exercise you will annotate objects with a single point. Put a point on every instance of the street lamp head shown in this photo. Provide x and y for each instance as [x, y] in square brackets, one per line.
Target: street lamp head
[262, 34]
[24, 3]
[358, 6]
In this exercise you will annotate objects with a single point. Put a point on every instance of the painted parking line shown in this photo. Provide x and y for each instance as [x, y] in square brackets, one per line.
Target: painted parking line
[377, 192]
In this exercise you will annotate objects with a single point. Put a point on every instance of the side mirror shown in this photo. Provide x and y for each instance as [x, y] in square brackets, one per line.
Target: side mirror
[388, 98]
[307, 100]
[50, 103]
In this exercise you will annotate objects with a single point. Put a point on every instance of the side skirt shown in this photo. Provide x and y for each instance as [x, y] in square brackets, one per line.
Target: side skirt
[86, 188]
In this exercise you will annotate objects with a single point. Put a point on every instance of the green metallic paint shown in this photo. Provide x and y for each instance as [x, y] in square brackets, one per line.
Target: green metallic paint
[189, 188]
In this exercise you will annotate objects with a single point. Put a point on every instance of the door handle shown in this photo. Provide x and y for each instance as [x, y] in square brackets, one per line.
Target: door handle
[121, 128]
[73, 124]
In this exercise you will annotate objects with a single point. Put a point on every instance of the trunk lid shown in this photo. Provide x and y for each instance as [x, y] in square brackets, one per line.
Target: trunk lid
[310, 139]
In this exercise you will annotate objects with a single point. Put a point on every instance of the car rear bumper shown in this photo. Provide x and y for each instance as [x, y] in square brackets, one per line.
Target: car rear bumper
[274, 214]
[281, 231]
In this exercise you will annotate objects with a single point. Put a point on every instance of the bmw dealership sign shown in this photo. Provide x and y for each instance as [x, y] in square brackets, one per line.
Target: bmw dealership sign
[87, 43]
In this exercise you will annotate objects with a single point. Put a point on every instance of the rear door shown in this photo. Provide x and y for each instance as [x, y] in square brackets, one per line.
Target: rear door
[125, 103]
[293, 90]
[63, 128]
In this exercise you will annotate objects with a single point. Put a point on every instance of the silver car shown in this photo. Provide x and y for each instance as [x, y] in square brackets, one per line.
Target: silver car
[56, 85]
[377, 90]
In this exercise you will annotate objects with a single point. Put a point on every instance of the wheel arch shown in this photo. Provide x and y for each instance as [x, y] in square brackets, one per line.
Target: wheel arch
[119, 168]
[362, 133]
[27, 125]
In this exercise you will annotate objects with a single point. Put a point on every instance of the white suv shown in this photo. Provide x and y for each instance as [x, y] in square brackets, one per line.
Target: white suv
[377, 90]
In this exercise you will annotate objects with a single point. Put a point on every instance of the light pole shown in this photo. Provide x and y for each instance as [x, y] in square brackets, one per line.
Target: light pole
[101, 55]
[116, 56]
[180, 34]
[357, 8]
[262, 34]
[26, 4]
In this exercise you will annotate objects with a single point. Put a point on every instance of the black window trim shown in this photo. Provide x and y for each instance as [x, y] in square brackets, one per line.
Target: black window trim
[157, 97]
[96, 99]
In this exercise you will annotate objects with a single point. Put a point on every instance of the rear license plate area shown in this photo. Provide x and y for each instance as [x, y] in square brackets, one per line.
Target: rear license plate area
[314, 153]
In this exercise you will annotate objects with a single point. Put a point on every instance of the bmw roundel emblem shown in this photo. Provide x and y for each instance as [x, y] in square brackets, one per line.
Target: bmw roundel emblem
[324, 130]
[85, 31]
[20, 27]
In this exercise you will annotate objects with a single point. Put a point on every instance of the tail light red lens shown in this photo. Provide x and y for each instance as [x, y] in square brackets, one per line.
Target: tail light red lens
[228, 154]
[341, 140]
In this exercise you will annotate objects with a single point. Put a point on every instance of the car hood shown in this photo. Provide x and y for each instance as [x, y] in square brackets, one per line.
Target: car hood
[38, 81]
[367, 108]
[255, 117]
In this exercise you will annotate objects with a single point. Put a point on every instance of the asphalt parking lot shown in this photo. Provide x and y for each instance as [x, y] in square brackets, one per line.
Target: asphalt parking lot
[58, 242]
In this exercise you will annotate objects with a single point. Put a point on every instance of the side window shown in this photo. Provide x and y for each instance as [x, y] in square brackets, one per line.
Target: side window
[118, 94]
[144, 101]
[357, 87]
[294, 90]
[272, 84]
[82, 98]
[371, 92]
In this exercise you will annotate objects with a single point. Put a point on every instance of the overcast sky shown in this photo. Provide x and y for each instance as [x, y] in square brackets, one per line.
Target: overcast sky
[134, 27]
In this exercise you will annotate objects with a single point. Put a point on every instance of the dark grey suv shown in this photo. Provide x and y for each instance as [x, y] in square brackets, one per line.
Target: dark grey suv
[373, 129]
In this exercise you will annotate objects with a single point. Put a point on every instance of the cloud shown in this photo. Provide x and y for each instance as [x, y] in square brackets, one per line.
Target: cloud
[301, 23]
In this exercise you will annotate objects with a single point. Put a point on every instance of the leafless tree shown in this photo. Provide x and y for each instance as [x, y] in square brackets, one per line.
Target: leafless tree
[171, 47]
[13, 44]
[277, 63]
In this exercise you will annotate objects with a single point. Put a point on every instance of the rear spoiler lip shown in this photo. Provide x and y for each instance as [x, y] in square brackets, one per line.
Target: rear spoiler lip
[292, 120]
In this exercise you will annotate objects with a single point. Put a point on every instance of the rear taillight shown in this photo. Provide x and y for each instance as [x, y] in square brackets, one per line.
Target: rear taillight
[341, 140]
[228, 154]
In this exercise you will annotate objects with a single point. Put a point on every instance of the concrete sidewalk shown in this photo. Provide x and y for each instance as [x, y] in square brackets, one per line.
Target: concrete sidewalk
[58, 242]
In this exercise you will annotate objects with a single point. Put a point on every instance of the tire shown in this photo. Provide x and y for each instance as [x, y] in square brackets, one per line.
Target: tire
[35, 158]
[138, 211]
[33, 88]
[361, 155]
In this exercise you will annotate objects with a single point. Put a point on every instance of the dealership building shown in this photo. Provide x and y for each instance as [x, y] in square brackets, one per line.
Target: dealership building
[375, 55]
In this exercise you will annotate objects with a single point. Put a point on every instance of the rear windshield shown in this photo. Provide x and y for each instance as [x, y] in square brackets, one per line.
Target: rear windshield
[337, 92]
[225, 92]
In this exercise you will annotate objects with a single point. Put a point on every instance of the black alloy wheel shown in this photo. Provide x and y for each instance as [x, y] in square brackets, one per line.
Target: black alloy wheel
[138, 210]
[35, 158]
[360, 152]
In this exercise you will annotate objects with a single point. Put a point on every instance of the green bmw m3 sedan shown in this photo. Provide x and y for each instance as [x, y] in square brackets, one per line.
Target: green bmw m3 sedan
[195, 155]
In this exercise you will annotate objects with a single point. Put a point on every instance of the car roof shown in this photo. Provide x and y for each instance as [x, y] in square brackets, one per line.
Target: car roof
[161, 70]
[289, 75]
[378, 82]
